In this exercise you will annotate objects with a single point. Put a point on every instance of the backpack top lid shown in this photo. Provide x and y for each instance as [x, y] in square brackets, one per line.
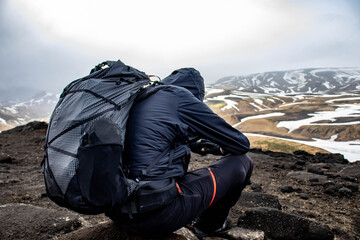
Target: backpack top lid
[108, 92]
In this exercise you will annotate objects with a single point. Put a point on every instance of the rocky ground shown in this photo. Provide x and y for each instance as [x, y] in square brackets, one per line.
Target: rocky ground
[292, 196]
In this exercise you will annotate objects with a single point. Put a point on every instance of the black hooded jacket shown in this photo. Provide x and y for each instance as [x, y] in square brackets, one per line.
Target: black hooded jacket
[169, 117]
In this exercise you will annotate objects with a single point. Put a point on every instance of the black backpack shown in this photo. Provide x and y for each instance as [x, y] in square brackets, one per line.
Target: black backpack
[89, 124]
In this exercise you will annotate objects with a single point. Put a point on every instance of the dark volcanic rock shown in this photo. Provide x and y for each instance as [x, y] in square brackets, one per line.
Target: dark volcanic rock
[244, 234]
[256, 199]
[343, 234]
[316, 171]
[303, 156]
[319, 231]
[302, 153]
[296, 167]
[37, 140]
[331, 175]
[109, 231]
[304, 196]
[329, 158]
[306, 176]
[332, 187]
[21, 221]
[331, 190]
[287, 189]
[277, 155]
[353, 170]
[6, 159]
[352, 187]
[184, 232]
[300, 162]
[280, 225]
[28, 127]
[345, 191]
[328, 184]
[282, 166]
[256, 187]
[22, 182]
[349, 178]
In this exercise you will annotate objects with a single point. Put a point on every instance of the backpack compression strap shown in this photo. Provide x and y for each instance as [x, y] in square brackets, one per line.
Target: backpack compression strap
[145, 171]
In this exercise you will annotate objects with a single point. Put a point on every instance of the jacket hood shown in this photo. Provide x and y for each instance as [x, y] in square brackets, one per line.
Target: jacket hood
[188, 78]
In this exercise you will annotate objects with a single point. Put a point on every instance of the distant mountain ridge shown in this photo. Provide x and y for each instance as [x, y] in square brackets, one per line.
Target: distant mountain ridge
[38, 108]
[311, 80]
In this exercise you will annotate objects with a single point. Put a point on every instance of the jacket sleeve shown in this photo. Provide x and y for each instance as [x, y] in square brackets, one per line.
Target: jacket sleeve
[201, 119]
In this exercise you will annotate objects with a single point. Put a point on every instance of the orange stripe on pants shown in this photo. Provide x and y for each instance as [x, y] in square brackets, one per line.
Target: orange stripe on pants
[214, 181]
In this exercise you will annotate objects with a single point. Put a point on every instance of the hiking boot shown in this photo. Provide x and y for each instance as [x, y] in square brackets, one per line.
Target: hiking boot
[225, 226]
[201, 234]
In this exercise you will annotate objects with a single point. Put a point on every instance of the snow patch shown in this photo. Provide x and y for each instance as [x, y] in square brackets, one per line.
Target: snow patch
[297, 97]
[279, 99]
[345, 110]
[295, 77]
[261, 103]
[270, 90]
[292, 90]
[328, 85]
[274, 114]
[342, 99]
[214, 90]
[256, 106]
[293, 103]
[229, 104]
[12, 109]
[350, 149]
[336, 124]
[316, 71]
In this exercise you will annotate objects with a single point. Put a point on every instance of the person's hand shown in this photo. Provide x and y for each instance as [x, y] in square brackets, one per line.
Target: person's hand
[204, 147]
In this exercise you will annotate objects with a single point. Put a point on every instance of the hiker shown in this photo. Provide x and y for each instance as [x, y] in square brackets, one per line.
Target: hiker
[167, 125]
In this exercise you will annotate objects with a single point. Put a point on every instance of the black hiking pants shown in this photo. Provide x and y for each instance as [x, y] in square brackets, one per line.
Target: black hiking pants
[207, 193]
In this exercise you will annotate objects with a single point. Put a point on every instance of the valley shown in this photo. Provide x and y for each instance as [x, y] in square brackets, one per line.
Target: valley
[318, 107]
[303, 117]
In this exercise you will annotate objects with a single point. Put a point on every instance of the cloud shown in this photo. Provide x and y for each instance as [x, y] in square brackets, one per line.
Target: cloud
[29, 59]
[163, 31]
[45, 44]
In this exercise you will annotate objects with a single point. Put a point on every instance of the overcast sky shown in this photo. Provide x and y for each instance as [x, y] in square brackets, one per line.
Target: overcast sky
[45, 44]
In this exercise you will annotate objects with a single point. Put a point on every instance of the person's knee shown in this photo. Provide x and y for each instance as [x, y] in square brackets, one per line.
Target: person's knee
[248, 163]
[244, 161]
[244, 166]
[236, 168]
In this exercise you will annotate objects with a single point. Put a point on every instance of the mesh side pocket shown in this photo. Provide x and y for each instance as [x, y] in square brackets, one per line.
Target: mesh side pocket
[99, 177]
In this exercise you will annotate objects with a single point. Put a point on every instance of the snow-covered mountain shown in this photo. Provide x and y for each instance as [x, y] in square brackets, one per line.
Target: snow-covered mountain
[314, 80]
[38, 108]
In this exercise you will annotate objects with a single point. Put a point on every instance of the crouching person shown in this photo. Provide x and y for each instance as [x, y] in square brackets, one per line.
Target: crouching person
[162, 130]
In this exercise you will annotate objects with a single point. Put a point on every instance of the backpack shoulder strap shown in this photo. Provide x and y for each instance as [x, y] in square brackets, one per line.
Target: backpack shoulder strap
[149, 90]
[144, 93]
